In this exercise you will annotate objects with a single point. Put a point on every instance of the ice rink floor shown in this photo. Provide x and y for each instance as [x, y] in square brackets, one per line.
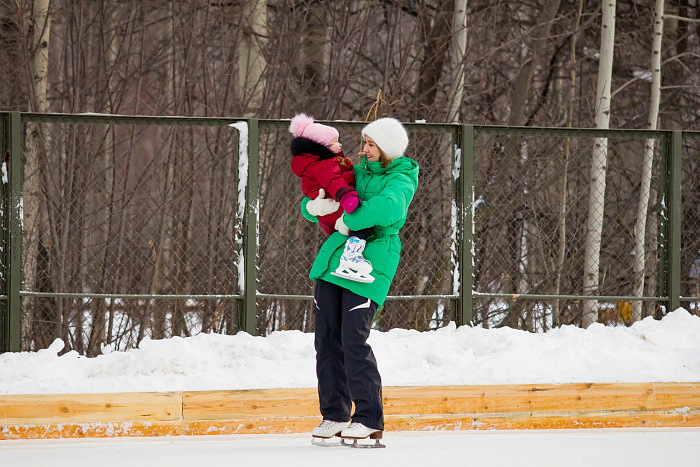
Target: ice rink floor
[541, 448]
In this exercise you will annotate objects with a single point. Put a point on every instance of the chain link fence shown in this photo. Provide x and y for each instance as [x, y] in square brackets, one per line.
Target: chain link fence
[141, 229]
[690, 233]
[533, 202]
[141, 210]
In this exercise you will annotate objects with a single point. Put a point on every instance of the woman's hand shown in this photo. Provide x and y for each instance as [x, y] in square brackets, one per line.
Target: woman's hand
[322, 206]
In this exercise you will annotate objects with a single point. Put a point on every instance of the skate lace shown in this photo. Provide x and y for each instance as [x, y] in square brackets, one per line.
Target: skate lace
[326, 423]
[358, 259]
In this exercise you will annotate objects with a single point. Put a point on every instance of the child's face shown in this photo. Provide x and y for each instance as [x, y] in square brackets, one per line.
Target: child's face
[335, 146]
[371, 149]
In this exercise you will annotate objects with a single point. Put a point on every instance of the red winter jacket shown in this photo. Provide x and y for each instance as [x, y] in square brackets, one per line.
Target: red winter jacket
[319, 167]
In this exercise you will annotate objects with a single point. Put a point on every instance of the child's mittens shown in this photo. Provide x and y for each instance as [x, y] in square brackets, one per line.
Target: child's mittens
[349, 200]
[322, 206]
[340, 225]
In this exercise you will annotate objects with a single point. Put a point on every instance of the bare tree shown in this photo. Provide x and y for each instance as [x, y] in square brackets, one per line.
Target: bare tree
[640, 229]
[251, 58]
[561, 255]
[34, 209]
[596, 207]
[457, 59]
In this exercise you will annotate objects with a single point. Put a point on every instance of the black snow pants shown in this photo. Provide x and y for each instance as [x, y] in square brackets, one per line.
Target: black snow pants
[345, 364]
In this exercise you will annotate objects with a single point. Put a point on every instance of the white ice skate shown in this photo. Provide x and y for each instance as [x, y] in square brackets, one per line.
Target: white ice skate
[353, 265]
[358, 431]
[326, 430]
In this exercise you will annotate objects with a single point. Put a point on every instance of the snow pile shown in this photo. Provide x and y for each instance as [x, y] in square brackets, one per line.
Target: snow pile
[649, 351]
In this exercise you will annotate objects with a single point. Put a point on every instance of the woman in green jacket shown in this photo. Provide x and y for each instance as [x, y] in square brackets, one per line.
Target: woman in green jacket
[345, 365]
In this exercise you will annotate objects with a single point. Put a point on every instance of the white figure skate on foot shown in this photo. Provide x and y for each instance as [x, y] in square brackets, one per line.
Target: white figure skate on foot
[353, 265]
[326, 430]
[357, 431]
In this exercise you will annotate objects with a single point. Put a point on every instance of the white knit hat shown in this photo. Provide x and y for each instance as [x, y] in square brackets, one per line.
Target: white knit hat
[389, 135]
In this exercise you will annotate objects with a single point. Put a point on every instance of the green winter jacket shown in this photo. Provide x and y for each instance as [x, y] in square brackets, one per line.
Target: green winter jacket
[385, 194]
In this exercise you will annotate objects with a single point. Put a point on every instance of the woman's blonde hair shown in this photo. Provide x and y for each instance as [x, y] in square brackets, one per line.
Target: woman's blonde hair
[384, 159]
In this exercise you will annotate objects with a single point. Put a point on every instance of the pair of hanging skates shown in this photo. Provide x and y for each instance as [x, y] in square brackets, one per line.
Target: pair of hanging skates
[353, 265]
[350, 435]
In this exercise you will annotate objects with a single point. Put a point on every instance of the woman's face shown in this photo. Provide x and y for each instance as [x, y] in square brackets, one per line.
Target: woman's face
[371, 149]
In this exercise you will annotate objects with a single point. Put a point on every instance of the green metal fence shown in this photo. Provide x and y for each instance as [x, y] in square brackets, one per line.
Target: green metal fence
[164, 226]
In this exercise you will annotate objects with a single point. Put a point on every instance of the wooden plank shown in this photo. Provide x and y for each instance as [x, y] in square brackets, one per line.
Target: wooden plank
[91, 430]
[507, 421]
[260, 403]
[539, 398]
[75, 408]
[549, 421]
[266, 403]
[250, 426]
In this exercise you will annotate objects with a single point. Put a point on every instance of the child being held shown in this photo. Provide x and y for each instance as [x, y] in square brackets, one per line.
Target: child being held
[318, 160]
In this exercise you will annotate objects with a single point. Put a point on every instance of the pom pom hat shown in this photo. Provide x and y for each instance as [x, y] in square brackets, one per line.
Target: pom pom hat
[389, 135]
[304, 126]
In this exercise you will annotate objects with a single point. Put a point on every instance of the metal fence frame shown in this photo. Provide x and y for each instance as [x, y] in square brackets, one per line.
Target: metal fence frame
[11, 141]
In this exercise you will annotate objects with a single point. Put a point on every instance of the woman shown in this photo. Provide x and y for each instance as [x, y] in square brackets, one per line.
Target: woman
[345, 365]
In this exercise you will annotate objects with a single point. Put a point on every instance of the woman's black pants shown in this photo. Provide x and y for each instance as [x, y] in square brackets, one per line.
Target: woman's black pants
[345, 364]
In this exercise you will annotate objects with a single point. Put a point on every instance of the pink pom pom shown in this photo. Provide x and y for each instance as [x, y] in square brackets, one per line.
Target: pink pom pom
[299, 124]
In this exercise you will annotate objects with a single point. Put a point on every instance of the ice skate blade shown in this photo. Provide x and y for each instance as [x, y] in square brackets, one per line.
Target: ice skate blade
[357, 278]
[357, 445]
[327, 442]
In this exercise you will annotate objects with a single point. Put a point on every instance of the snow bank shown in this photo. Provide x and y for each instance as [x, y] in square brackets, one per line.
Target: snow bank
[649, 351]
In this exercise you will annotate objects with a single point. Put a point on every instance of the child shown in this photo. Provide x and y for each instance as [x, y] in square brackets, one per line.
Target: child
[317, 159]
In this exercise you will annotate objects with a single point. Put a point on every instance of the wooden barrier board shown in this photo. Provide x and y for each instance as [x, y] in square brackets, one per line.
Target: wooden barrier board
[526, 406]
[74, 408]
[257, 403]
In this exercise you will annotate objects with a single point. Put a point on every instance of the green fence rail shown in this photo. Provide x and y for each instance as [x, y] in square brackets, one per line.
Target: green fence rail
[164, 226]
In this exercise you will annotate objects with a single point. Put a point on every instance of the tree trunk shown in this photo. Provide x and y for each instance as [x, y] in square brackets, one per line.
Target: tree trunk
[436, 37]
[556, 318]
[535, 60]
[105, 180]
[513, 157]
[163, 246]
[310, 72]
[34, 215]
[251, 61]
[182, 223]
[596, 204]
[647, 166]
[457, 59]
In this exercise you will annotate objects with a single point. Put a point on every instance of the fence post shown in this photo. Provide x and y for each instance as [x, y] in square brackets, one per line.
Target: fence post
[4, 231]
[13, 252]
[673, 250]
[249, 317]
[465, 314]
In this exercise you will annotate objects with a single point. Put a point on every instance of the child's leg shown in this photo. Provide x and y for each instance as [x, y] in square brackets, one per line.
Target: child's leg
[361, 234]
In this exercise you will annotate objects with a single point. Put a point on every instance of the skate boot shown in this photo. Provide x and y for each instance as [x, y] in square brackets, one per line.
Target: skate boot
[357, 431]
[326, 430]
[353, 265]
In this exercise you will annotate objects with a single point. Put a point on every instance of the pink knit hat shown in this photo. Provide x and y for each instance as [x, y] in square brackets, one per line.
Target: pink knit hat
[303, 125]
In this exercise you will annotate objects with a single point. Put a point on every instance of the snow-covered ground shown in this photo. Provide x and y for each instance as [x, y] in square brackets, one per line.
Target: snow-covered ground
[649, 351]
[537, 448]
